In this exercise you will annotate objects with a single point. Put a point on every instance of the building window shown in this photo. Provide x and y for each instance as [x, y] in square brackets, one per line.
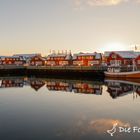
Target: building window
[79, 57]
[114, 56]
[115, 62]
[91, 57]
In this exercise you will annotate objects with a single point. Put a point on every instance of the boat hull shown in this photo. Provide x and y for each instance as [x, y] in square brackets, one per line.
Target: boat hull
[134, 74]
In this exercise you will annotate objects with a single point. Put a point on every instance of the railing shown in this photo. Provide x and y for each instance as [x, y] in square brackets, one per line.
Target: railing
[126, 68]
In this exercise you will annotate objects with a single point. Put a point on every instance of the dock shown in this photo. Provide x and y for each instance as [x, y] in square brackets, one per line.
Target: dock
[54, 70]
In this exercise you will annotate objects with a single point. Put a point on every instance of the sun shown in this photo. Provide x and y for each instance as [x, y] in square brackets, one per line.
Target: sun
[114, 47]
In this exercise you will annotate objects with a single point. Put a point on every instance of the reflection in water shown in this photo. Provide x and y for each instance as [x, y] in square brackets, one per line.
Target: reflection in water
[97, 127]
[36, 84]
[7, 83]
[101, 125]
[117, 88]
[75, 112]
[114, 87]
[59, 85]
[87, 88]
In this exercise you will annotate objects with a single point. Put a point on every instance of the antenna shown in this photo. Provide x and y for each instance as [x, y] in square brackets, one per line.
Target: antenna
[135, 47]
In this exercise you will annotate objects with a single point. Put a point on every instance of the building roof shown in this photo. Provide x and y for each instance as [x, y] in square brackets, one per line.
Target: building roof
[1, 57]
[97, 55]
[42, 58]
[27, 55]
[67, 56]
[123, 54]
[137, 54]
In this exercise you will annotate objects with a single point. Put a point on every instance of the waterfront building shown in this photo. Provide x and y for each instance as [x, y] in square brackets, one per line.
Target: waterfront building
[137, 59]
[11, 60]
[60, 59]
[119, 58]
[27, 57]
[87, 59]
[37, 61]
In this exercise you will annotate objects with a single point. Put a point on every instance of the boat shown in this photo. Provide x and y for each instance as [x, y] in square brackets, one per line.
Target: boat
[116, 72]
[133, 74]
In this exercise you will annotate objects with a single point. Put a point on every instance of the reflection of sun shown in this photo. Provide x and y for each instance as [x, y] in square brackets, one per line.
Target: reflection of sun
[114, 47]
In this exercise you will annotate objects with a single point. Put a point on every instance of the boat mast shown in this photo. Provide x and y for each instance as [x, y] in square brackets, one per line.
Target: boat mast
[134, 65]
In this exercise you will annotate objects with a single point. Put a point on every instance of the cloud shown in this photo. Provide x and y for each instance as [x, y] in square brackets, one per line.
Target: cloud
[102, 125]
[94, 127]
[92, 3]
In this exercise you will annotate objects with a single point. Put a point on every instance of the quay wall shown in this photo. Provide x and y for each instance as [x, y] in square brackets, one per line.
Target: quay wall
[67, 71]
[53, 70]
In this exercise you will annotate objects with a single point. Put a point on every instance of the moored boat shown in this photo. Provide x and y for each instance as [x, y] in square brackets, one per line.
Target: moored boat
[132, 74]
[115, 72]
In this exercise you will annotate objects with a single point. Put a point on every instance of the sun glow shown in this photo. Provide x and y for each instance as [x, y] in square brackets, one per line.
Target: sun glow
[114, 47]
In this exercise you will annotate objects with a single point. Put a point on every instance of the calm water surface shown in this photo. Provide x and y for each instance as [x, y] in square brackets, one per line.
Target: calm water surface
[47, 109]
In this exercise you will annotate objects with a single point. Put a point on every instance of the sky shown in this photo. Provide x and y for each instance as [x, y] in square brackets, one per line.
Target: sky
[38, 26]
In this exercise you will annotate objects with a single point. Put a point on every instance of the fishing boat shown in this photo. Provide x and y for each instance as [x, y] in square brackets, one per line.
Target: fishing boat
[116, 72]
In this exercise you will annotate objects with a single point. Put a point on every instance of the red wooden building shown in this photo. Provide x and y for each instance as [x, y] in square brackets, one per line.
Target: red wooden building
[137, 59]
[59, 59]
[11, 60]
[119, 57]
[87, 59]
[37, 61]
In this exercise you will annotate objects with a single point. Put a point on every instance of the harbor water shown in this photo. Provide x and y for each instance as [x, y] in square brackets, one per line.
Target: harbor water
[49, 109]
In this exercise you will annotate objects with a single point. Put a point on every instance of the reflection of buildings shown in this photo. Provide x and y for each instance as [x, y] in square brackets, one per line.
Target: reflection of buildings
[7, 83]
[59, 86]
[117, 89]
[114, 88]
[77, 87]
[137, 90]
[87, 88]
[36, 84]
[54, 85]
